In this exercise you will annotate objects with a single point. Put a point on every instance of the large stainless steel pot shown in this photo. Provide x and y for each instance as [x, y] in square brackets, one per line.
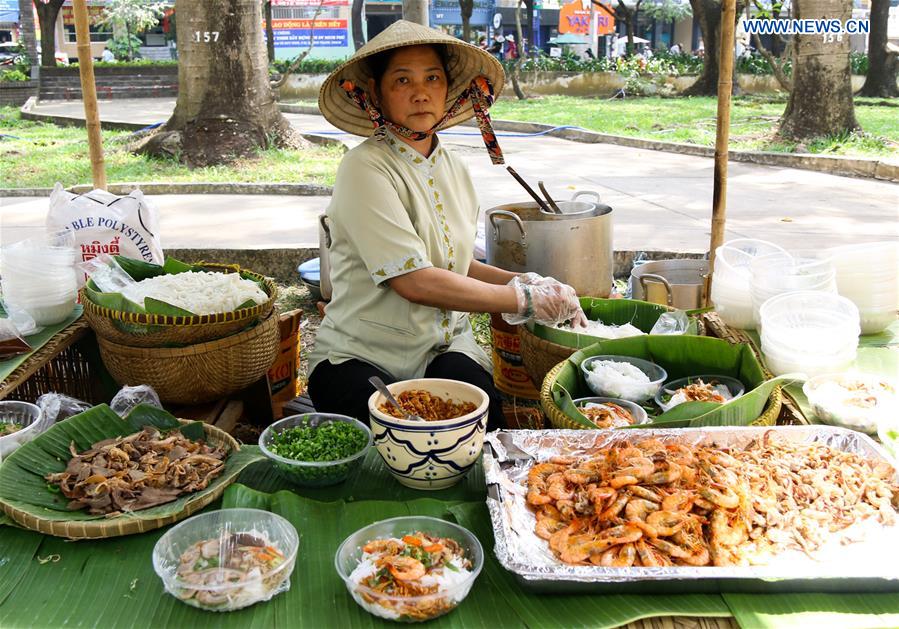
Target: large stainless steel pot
[676, 283]
[575, 247]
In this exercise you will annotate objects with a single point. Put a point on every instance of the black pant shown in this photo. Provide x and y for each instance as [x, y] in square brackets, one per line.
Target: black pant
[344, 388]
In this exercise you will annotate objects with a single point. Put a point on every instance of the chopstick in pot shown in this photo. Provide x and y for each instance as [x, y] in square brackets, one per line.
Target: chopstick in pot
[549, 199]
[530, 190]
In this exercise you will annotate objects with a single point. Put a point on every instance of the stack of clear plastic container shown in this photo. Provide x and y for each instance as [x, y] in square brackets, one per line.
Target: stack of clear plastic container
[38, 276]
[811, 332]
[731, 279]
[868, 274]
[777, 273]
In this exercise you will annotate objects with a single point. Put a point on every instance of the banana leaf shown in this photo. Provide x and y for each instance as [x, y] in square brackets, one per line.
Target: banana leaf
[641, 314]
[140, 270]
[680, 356]
[22, 484]
[801, 611]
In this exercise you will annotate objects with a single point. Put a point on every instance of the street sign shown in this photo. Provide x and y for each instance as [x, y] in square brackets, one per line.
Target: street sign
[497, 20]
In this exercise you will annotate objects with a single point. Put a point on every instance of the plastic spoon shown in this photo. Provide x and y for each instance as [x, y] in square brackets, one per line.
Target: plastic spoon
[382, 388]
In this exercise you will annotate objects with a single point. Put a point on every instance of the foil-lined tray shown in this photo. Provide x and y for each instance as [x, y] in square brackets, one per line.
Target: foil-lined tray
[869, 563]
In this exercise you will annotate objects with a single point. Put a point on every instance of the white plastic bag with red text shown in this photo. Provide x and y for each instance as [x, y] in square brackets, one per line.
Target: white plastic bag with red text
[105, 223]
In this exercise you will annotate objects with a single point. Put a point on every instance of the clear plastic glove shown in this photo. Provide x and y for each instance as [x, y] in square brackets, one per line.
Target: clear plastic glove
[550, 303]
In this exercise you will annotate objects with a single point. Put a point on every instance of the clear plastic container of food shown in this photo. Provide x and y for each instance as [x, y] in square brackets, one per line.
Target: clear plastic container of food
[668, 397]
[633, 379]
[228, 559]
[356, 567]
[851, 400]
[310, 473]
[20, 422]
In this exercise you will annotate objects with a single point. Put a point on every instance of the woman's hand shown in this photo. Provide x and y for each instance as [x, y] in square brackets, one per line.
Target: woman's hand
[547, 301]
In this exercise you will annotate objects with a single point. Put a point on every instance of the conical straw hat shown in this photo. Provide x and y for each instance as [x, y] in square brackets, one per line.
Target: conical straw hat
[465, 62]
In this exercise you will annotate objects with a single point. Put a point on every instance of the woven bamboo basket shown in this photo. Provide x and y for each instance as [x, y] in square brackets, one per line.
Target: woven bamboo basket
[147, 330]
[60, 366]
[790, 413]
[125, 524]
[539, 356]
[197, 373]
[558, 419]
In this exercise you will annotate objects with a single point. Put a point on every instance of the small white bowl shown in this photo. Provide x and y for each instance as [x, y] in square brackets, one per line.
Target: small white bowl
[733, 385]
[637, 393]
[430, 454]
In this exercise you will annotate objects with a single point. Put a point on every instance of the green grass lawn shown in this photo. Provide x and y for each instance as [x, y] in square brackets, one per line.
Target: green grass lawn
[753, 121]
[38, 155]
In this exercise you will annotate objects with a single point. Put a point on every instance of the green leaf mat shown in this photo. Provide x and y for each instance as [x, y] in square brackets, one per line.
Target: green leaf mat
[36, 341]
[111, 583]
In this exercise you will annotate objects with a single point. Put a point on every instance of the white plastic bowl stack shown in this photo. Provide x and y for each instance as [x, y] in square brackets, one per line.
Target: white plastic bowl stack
[38, 276]
[731, 279]
[812, 332]
[868, 274]
[777, 273]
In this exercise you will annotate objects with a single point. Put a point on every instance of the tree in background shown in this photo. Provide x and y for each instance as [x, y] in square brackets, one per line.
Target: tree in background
[466, 8]
[226, 108]
[883, 57]
[708, 12]
[778, 63]
[133, 17]
[269, 30]
[47, 12]
[662, 10]
[29, 34]
[821, 101]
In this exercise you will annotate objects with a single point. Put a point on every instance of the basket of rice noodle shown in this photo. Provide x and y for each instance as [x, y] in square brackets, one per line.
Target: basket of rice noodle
[197, 373]
[679, 355]
[177, 304]
[543, 347]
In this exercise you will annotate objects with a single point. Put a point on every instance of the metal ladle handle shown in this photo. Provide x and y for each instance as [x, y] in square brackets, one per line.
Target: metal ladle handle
[382, 388]
[491, 216]
[661, 280]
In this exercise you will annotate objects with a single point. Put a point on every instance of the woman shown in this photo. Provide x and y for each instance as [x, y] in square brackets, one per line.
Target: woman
[403, 219]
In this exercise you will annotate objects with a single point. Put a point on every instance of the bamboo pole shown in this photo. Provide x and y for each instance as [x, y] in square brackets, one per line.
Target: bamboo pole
[725, 85]
[89, 94]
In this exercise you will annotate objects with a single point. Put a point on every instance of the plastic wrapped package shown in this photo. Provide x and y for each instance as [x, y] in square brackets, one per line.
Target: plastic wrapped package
[129, 397]
[56, 407]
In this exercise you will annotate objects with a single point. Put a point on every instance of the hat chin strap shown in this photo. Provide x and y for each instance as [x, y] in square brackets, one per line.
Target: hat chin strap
[479, 92]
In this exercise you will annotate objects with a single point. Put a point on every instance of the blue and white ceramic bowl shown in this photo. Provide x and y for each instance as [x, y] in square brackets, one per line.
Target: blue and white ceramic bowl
[430, 454]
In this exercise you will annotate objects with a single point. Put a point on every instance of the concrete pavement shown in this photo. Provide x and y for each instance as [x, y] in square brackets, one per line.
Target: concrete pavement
[661, 201]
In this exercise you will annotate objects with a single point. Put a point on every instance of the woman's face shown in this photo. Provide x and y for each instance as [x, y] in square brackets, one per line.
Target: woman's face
[412, 92]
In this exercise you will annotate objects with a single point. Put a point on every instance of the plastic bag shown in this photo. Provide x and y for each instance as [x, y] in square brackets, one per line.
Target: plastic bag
[129, 397]
[671, 323]
[56, 407]
[20, 319]
[107, 274]
[11, 342]
[105, 223]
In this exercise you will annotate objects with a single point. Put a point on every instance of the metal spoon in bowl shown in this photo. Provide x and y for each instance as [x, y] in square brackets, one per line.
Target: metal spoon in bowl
[382, 388]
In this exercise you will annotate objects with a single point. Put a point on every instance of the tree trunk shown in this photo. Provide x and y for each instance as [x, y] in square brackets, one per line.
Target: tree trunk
[708, 12]
[516, 64]
[821, 101]
[269, 32]
[466, 7]
[775, 63]
[225, 107]
[356, 16]
[416, 11]
[883, 64]
[46, 16]
[627, 15]
[29, 34]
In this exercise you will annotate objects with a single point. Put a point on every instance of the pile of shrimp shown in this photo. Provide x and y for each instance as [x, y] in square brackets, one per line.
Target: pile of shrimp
[649, 503]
